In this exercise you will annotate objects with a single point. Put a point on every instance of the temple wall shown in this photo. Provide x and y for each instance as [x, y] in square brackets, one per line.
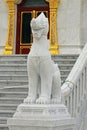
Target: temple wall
[3, 24]
[83, 32]
[71, 25]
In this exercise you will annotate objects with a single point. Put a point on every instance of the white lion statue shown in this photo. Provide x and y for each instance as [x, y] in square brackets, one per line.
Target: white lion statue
[43, 73]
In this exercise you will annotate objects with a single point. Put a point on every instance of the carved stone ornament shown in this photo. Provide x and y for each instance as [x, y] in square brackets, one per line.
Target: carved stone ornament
[43, 73]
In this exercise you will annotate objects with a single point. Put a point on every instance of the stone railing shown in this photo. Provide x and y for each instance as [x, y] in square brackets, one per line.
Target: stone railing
[74, 90]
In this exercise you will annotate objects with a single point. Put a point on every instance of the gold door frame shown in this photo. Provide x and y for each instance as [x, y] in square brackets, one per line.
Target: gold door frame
[53, 4]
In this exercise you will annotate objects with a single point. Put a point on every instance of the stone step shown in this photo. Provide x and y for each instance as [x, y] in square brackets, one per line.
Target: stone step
[8, 106]
[13, 72]
[63, 72]
[13, 67]
[4, 127]
[13, 56]
[6, 113]
[3, 120]
[65, 67]
[63, 78]
[11, 100]
[13, 83]
[13, 77]
[65, 56]
[15, 89]
[13, 61]
[65, 61]
[14, 94]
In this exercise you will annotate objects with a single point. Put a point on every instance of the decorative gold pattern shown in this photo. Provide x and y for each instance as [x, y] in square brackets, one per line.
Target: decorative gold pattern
[33, 14]
[53, 4]
[10, 38]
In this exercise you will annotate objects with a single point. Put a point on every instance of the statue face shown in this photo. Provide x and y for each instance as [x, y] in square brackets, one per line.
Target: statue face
[39, 26]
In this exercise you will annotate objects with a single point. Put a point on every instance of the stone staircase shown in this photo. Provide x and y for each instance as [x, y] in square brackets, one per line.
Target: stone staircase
[14, 80]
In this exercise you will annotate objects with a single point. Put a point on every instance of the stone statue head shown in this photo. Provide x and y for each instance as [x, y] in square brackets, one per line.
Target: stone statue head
[39, 25]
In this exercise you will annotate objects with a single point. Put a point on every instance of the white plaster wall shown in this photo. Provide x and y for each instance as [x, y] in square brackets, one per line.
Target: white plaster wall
[3, 24]
[68, 26]
[83, 22]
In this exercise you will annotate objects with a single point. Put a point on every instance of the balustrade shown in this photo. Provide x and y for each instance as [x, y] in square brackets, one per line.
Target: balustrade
[74, 90]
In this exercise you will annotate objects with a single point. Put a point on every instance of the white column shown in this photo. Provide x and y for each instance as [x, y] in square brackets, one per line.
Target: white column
[83, 31]
[3, 24]
[68, 24]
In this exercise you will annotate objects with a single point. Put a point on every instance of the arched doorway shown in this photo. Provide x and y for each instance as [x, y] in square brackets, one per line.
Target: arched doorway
[26, 10]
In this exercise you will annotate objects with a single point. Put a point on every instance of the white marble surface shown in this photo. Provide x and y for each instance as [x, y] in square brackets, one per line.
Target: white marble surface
[41, 111]
[43, 73]
[84, 22]
[41, 117]
[69, 24]
[3, 24]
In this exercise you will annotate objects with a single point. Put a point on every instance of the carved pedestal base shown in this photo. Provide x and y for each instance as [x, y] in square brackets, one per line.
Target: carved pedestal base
[41, 117]
[8, 50]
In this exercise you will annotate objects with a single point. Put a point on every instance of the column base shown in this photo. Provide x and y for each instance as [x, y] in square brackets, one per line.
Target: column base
[54, 50]
[8, 50]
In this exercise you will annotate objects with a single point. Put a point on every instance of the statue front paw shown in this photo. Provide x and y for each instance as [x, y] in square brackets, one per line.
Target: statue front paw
[29, 100]
[43, 100]
[56, 101]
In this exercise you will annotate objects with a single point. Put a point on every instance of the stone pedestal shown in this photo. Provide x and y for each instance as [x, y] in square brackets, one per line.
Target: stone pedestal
[41, 117]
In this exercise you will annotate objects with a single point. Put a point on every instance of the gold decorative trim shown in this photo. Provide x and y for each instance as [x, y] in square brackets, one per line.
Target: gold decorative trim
[54, 47]
[10, 37]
